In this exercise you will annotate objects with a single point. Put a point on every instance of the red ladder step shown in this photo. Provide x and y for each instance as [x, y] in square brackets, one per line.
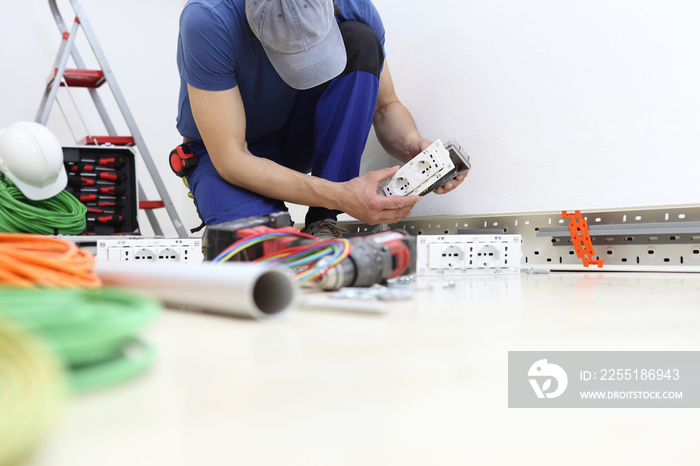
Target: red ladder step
[79, 78]
[151, 204]
[113, 140]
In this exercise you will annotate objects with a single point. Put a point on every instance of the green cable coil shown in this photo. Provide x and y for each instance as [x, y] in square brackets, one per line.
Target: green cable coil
[94, 333]
[62, 214]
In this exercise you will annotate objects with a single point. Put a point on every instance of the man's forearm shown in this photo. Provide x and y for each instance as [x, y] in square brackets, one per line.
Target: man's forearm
[397, 132]
[272, 180]
[357, 197]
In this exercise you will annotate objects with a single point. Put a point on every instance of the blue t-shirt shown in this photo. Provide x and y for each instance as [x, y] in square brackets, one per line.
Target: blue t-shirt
[216, 51]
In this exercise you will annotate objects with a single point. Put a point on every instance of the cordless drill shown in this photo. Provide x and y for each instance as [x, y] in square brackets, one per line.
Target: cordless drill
[373, 258]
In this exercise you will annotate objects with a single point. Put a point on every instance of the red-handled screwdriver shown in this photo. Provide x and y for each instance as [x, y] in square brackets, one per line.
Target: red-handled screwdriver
[110, 190]
[115, 205]
[100, 210]
[117, 177]
[112, 162]
[95, 197]
[114, 220]
[74, 167]
[77, 182]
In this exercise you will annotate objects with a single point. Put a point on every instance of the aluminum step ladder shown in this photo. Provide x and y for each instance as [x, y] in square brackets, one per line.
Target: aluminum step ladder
[92, 80]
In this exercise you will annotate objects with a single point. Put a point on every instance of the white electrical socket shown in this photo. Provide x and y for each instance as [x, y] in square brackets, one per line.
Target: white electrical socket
[182, 251]
[450, 257]
[400, 186]
[142, 254]
[419, 173]
[168, 254]
[423, 168]
[467, 254]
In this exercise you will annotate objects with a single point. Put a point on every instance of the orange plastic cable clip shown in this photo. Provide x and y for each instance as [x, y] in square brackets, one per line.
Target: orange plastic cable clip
[581, 238]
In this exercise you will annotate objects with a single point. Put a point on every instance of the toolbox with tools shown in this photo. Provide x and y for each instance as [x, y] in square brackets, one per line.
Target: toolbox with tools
[104, 179]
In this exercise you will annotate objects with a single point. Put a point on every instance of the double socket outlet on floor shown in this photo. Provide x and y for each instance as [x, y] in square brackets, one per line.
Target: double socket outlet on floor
[467, 254]
[184, 251]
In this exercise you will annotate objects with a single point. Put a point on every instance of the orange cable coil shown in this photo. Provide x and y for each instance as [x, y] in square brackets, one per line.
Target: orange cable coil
[30, 260]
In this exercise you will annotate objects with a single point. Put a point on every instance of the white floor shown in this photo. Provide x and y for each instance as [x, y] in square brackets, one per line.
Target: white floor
[424, 384]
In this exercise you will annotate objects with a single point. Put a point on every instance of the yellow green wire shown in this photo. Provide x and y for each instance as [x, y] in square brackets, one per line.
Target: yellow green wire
[32, 389]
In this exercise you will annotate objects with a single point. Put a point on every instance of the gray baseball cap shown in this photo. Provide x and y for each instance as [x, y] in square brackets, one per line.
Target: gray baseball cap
[300, 37]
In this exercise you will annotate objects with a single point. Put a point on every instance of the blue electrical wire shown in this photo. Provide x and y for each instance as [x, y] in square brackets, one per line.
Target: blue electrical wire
[309, 256]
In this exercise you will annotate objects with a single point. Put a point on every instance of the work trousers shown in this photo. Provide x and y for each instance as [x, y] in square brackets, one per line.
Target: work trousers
[325, 134]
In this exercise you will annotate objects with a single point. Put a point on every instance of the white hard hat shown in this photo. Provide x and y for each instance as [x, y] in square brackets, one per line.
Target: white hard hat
[32, 158]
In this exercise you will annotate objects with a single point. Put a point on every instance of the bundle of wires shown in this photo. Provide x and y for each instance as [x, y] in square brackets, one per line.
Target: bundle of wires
[59, 331]
[94, 332]
[28, 260]
[62, 214]
[32, 387]
[56, 340]
[49, 286]
[307, 262]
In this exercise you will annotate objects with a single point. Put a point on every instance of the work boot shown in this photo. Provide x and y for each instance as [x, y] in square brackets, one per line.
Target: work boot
[324, 229]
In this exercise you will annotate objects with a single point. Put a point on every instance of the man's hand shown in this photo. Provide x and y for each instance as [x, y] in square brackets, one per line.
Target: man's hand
[362, 202]
[419, 145]
[452, 184]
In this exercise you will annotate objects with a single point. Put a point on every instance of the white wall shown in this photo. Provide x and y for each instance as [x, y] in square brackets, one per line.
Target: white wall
[562, 105]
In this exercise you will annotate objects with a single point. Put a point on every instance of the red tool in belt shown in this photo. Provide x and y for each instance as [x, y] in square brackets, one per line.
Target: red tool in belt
[182, 160]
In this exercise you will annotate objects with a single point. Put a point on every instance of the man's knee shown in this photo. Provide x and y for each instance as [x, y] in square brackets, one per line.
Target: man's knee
[364, 51]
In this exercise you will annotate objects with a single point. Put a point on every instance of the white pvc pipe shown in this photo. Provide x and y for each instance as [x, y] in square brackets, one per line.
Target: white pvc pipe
[242, 289]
